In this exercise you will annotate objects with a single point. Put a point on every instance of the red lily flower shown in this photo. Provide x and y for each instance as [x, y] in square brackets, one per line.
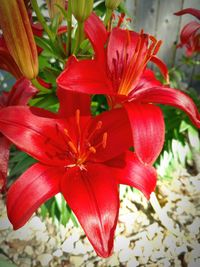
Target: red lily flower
[119, 71]
[20, 94]
[190, 34]
[7, 62]
[81, 157]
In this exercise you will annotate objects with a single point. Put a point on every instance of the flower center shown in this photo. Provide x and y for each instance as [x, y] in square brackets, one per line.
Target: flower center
[79, 150]
[133, 67]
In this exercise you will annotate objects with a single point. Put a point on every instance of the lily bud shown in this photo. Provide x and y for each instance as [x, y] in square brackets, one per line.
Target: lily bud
[54, 9]
[81, 9]
[18, 35]
[112, 4]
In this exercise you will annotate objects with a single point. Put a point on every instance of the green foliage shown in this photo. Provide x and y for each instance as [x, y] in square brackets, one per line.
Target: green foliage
[181, 137]
[5, 263]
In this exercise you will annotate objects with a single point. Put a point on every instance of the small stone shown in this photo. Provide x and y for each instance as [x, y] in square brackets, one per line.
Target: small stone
[194, 227]
[132, 262]
[192, 263]
[121, 243]
[170, 242]
[156, 255]
[148, 249]
[76, 260]
[28, 250]
[5, 223]
[36, 224]
[68, 246]
[125, 255]
[177, 263]
[152, 230]
[113, 260]
[79, 248]
[40, 249]
[26, 262]
[137, 251]
[181, 249]
[24, 233]
[42, 236]
[143, 260]
[45, 259]
[58, 253]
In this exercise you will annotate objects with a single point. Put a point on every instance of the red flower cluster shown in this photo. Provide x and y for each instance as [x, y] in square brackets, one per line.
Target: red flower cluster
[85, 157]
[190, 34]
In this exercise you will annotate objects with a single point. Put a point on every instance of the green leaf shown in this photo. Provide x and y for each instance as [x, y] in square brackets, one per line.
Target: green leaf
[194, 137]
[50, 75]
[45, 44]
[5, 263]
[184, 126]
[22, 165]
[62, 10]
[54, 25]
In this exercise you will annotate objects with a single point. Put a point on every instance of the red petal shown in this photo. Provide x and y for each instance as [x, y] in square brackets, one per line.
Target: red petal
[172, 97]
[21, 92]
[119, 138]
[4, 157]
[86, 76]
[92, 194]
[188, 31]
[37, 29]
[42, 138]
[96, 32]
[31, 189]
[130, 171]
[192, 11]
[43, 83]
[162, 67]
[62, 29]
[148, 130]
[7, 62]
[71, 101]
[147, 80]
[121, 47]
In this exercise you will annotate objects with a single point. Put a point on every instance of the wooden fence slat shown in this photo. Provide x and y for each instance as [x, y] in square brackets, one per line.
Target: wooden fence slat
[156, 17]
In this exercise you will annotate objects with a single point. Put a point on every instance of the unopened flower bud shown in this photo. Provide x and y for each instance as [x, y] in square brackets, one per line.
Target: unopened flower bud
[54, 9]
[81, 9]
[18, 35]
[112, 4]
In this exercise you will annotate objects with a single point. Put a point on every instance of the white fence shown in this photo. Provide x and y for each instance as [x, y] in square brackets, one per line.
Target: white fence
[156, 17]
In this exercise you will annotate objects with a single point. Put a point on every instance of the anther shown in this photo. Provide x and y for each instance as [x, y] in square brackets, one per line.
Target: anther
[158, 45]
[92, 150]
[98, 127]
[152, 38]
[66, 132]
[72, 146]
[104, 140]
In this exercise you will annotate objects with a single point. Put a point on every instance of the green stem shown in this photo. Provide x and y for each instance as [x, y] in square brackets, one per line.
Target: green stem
[80, 36]
[69, 28]
[107, 16]
[40, 87]
[41, 19]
